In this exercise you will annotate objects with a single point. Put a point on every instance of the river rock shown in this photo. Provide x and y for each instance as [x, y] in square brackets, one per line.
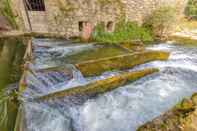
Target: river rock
[194, 99]
[133, 46]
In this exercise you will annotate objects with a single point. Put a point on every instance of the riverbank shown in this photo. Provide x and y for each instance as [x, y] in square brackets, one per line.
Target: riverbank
[186, 32]
[182, 117]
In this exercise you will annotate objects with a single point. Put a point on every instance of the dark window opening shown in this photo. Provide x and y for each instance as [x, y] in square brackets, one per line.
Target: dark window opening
[35, 5]
[82, 24]
[110, 26]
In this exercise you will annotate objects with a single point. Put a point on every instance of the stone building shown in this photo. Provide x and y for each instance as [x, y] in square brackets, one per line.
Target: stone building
[71, 16]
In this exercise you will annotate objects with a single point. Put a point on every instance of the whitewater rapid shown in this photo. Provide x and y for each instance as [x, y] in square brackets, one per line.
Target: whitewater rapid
[123, 109]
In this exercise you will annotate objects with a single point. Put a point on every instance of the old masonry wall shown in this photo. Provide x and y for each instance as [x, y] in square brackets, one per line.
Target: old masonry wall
[69, 16]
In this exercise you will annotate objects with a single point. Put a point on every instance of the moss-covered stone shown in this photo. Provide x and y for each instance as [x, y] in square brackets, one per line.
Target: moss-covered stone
[194, 99]
[133, 46]
[101, 86]
[96, 67]
[183, 40]
[185, 105]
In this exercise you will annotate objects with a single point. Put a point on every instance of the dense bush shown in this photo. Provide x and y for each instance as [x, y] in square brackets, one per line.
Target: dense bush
[191, 9]
[123, 32]
[161, 21]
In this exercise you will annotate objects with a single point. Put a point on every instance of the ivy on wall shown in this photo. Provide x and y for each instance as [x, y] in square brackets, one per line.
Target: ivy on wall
[6, 11]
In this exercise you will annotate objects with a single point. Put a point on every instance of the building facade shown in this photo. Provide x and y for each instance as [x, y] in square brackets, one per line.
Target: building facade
[71, 16]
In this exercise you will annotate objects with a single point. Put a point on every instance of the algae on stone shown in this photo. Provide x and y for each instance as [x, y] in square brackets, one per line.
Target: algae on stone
[183, 40]
[133, 46]
[99, 51]
[96, 67]
[101, 86]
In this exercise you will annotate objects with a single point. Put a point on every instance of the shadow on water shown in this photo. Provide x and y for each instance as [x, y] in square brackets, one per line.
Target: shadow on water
[11, 58]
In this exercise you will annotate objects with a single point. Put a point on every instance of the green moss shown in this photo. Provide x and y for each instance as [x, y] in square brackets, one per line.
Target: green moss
[6, 11]
[96, 67]
[194, 99]
[183, 40]
[185, 105]
[101, 86]
[133, 46]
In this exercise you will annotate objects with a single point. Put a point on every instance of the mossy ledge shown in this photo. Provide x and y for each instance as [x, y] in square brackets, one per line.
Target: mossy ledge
[182, 117]
[96, 67]
[183, 40]
[101, 86]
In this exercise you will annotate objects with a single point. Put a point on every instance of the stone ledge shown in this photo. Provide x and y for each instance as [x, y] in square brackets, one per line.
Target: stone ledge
[101, 86]
[97, 67]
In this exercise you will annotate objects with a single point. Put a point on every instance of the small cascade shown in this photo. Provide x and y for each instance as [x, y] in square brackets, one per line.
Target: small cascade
[42, 82]
[123, 109]
[50, 53]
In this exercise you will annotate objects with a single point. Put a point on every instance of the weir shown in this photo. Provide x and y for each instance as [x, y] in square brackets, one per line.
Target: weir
[54, 82]
[44, 81]
[55, 95]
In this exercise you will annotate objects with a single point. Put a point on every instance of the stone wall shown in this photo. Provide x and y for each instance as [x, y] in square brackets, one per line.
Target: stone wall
[63, 16]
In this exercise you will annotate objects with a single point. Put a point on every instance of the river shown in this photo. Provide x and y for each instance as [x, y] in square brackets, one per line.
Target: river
[123, 109]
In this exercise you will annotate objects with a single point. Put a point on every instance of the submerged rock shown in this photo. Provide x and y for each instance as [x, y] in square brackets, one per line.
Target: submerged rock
[101, 86]
[96, 67]
[133, 46]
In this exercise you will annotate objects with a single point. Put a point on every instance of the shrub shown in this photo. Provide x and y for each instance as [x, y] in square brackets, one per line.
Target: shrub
[191, 9]
[124, 32]
[161, 21]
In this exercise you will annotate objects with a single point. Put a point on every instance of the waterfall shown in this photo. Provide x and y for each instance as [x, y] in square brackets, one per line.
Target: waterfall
[44, 82]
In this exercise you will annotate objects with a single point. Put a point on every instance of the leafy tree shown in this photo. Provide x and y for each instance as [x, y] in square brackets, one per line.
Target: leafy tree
[191, 9]
[161, 21]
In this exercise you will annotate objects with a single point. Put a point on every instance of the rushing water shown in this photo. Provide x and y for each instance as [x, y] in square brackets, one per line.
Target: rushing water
[123, 109]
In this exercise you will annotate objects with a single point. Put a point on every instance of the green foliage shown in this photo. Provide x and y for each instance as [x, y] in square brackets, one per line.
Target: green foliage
[124, 32]
[8, 110]
[191, 9]
[161, 21]
[6, 11]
